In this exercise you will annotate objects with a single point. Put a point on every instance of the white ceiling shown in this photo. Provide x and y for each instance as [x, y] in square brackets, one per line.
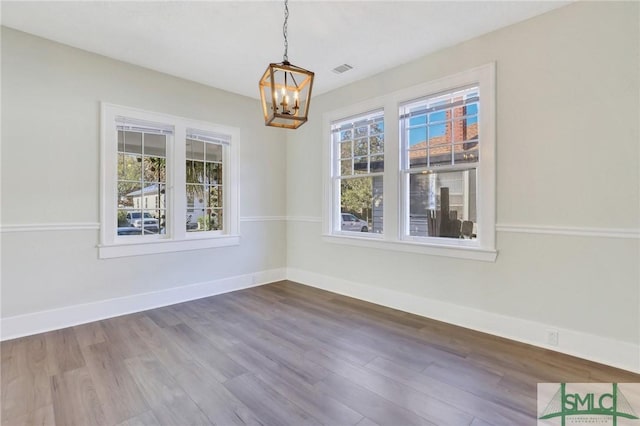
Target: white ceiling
[228, 44]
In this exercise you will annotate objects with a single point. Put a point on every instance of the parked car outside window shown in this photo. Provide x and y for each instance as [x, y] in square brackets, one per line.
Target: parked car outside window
[353, 223]
[137, 219]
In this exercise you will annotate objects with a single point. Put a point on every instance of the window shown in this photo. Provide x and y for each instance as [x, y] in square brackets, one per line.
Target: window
[204, 172]
[440, 145]
[358, 152]
[168, 183]
[438, 142]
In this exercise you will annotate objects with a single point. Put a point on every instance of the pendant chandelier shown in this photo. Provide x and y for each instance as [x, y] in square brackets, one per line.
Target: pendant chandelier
[285, 89]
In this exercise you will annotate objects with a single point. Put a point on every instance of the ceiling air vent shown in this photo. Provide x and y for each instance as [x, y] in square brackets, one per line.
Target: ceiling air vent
[342, 68]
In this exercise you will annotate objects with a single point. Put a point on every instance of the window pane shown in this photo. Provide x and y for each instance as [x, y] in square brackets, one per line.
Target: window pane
[196, 220]
[162, 217]
[360, 131]
[360, 165]
[214, 173]
[417, 136]
[472, 128]
[150, 223]
[192, 221]
[129, 167]
[466, 152]
[438, 117]
[155, 169]
[362, 198]
[439, 134]
[194, 150]
[443, 204]
[155, 145]
[346, 135]
[195, 171]
[213, 152]
[440, 155]
[127, 191]
[418, 158]
[360, 147]
[417, 116]
[464, 131]
[130, 142]
[377, 127]
[205, 221]
[195, 196]
[196, 203]
[215, 196]
[377, 163]
[376, 144]
[125, 223]
[216, 223]
[346, 168]
[345, 150]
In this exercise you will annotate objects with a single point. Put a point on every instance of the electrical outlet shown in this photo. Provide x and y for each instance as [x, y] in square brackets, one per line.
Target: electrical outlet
[552, 337]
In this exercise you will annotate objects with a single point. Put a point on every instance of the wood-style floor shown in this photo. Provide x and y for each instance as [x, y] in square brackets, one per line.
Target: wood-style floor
[280, 354]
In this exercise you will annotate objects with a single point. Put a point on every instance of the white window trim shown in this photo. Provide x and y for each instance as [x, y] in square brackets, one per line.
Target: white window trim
[331, 212]
[392, 238]
[335, 228]
[177, 239]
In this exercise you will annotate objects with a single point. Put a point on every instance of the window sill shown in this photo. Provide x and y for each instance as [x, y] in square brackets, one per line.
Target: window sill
[165, 246]
[460, 252]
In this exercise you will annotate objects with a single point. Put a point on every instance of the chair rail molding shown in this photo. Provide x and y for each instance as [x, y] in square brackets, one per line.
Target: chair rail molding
[627, 233]
[584, 231]
[56, 226]
[311, 219]
[262, 218]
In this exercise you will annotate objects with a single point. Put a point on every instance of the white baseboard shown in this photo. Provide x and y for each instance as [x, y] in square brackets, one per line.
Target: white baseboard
[600, 349]
[39, 322]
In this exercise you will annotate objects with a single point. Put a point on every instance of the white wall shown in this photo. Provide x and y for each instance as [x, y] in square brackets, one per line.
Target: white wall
[568, 163]
[50, 176]
[568, 157]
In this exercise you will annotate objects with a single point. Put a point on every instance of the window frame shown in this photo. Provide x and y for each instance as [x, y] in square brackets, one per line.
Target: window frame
[395, 202]
[176, 237]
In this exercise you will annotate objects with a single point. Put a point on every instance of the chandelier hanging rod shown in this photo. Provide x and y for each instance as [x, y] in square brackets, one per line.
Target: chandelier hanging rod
[285, 57]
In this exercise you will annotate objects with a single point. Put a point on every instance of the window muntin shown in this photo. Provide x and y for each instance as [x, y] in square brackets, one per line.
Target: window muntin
[358, 147]
[440, 139]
